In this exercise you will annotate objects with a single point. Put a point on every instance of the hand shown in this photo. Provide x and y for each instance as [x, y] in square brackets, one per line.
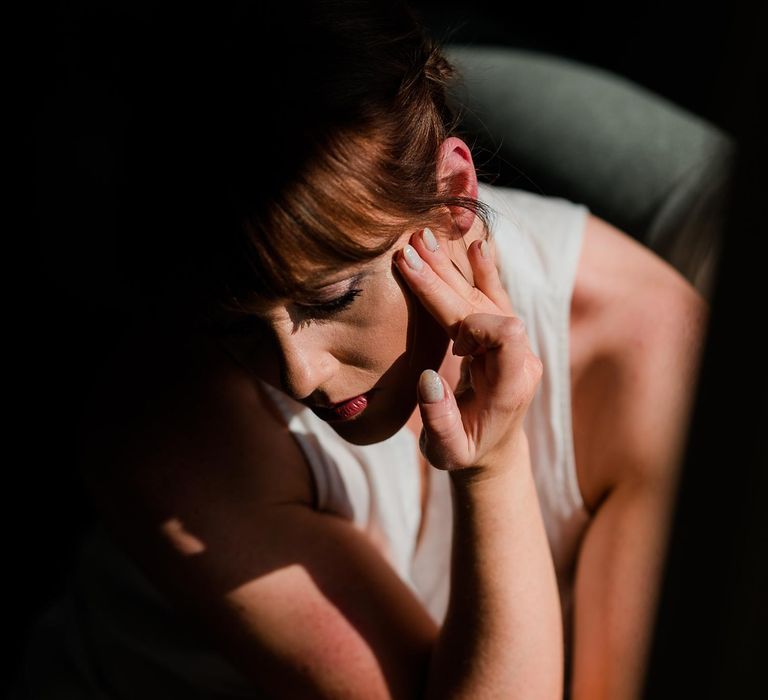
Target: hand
[480, 425]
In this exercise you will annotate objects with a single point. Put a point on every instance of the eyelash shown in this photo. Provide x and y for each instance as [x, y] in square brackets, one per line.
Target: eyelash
[321, 312]
[250, 325]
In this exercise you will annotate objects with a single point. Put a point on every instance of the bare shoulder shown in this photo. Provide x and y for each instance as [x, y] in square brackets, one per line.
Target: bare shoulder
[202, 485]
[637, 327]
[185, 414]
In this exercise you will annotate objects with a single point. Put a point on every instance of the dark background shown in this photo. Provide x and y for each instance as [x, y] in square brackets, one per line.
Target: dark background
[678, 52]
[701, 60]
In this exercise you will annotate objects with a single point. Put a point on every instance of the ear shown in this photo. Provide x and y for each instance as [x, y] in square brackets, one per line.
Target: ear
[456, 173]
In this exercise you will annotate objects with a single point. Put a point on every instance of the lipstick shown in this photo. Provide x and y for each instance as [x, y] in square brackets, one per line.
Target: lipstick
[345, 410]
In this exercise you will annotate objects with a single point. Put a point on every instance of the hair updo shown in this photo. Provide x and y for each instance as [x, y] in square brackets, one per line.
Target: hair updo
[265, 144]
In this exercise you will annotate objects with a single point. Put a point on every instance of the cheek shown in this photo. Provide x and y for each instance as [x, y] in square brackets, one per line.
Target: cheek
[377, 334]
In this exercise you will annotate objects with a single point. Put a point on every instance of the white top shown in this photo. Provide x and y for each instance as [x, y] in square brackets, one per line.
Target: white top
[118, 632]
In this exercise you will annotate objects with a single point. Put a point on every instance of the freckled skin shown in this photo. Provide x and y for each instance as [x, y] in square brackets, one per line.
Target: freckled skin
[383, 341]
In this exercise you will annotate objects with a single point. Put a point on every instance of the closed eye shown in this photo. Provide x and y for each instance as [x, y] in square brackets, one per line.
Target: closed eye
[331, 308]
[250, 326]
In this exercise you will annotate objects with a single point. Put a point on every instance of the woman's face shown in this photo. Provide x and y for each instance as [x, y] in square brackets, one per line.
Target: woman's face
[376, 341]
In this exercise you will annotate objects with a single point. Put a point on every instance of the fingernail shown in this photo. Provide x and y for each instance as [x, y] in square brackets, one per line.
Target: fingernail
[412, 258]
[429, 239]
[430, 386]
[484, 249]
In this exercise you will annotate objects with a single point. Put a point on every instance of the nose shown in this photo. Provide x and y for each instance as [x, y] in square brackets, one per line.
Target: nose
[306, 362]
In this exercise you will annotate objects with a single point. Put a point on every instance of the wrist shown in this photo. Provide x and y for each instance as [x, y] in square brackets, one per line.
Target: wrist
[512, 459]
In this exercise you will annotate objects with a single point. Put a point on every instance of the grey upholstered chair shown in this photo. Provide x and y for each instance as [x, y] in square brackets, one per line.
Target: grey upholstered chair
[558, 127]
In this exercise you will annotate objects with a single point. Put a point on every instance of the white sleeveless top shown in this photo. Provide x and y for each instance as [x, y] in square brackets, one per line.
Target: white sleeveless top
[114, 632]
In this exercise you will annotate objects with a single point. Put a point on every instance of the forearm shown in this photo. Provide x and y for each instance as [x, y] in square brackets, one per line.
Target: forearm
[502, 635]
[616, 592]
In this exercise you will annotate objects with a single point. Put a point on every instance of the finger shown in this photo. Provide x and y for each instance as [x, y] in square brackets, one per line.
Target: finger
[438, 297]
[486, 274]
[443, 440]
[436, 254]
[480, 332]
[465, 376]
[506, 366]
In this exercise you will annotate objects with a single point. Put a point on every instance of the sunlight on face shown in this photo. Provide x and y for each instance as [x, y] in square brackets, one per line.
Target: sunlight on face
[367, 334]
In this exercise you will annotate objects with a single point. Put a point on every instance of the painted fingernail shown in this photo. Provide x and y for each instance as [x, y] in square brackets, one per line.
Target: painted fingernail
[429, 239]
[484, 251]
[412, 258]
[431, 386]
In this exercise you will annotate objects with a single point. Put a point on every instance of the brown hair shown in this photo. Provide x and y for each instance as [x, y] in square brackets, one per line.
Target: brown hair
[299, 140]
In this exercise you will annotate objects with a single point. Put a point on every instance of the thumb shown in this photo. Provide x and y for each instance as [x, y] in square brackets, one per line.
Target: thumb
[443, 440]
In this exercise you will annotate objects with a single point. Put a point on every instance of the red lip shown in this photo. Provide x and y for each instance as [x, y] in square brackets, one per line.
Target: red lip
[344, 410]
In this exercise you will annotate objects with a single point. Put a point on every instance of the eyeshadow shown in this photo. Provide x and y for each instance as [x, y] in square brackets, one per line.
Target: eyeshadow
[329, 292]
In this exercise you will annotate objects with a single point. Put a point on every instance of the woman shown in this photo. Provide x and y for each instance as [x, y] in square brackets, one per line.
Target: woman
[285, 513]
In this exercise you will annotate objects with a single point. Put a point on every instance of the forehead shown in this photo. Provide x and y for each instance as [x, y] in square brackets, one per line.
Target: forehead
[314, 278]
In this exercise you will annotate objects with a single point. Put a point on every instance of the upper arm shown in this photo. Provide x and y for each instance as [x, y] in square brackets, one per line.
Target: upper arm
[299, 601]
[644, 367]
[637, 327]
